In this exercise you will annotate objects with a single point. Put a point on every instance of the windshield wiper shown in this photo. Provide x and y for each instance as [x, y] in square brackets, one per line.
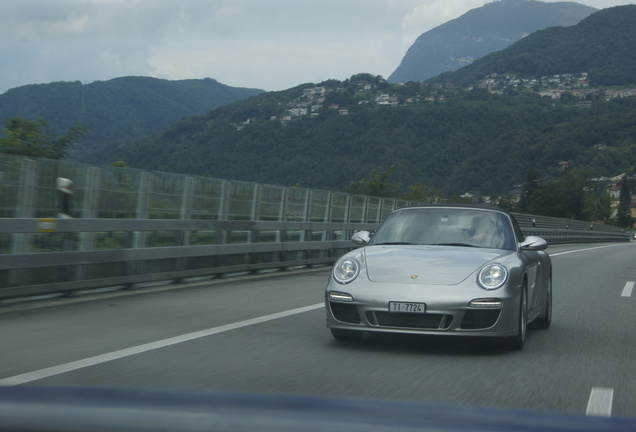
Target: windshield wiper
[454, 244]
[393, 243]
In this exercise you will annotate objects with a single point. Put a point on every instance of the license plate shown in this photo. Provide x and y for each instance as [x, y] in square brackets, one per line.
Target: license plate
[407, 307]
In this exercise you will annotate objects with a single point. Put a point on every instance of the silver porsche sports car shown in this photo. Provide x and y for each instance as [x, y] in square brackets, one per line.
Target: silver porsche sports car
[445, 270]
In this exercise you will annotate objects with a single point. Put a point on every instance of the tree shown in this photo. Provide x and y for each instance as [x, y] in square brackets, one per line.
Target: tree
[565, 198]
[529, 187]
[600, 207]
[623, 214]
[33, 138]
[421, 193]
[378, 184]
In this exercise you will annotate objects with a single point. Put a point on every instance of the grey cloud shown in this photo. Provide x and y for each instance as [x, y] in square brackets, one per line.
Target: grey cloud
[86, 40]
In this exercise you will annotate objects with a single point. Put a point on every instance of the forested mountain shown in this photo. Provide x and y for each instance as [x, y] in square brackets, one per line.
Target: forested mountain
[477, 143]
[602, 45]
[125, 108]
[457, 139]
[481, 31]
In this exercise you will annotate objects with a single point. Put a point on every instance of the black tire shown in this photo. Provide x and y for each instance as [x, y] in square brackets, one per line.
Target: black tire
[516, 342]
[346, 335]
[544, 321]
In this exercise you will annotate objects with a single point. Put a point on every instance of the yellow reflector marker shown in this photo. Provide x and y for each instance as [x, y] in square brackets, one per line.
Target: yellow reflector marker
[47, 225]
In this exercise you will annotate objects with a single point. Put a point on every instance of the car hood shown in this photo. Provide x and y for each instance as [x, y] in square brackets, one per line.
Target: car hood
[429, 265]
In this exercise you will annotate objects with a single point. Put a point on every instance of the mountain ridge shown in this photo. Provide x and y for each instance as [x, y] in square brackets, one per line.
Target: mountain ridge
[601, 45]
[124, 108]
[480, 31]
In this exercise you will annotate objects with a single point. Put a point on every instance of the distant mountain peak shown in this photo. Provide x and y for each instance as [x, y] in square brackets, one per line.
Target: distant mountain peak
[481, 31]
[603, 45]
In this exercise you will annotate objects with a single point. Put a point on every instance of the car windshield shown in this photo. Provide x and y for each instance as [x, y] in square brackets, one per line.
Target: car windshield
[447, 226]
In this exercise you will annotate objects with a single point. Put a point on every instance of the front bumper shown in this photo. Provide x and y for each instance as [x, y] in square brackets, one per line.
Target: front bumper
[448, 310]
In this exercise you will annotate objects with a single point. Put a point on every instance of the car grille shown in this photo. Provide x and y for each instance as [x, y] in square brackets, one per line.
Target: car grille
[345, 312]
[480, 318]
[410, 320]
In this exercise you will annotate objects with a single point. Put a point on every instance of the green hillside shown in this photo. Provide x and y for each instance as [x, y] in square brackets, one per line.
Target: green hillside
[125, 108]
[470, 142]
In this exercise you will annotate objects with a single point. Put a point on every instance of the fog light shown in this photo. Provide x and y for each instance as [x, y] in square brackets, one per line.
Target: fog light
[486, 303]
[340, 296]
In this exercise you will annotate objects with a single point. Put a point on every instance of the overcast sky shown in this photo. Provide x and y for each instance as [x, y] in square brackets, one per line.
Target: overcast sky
[266, 44]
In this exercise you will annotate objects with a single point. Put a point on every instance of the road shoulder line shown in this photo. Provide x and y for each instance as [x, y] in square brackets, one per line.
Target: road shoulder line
[126, 352]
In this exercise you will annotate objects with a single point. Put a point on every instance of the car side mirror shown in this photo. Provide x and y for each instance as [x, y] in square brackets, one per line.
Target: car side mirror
[361, 237]
[534, 243]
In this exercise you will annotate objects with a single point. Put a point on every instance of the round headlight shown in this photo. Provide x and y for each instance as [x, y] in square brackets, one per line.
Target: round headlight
[346, 270]
[492, 276]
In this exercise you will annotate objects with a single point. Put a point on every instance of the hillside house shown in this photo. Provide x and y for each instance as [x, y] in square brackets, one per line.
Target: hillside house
[385, 99]
[314, 92]
[299, 111]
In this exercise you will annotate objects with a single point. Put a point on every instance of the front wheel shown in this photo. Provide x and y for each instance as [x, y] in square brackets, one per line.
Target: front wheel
[544, 321]
[346, 335]
[516, 342]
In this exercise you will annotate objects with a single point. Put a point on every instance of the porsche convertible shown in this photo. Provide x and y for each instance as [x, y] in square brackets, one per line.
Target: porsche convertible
[443, 270]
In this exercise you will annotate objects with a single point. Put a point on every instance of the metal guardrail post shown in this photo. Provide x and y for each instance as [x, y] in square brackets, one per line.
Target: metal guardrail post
[139, 238]
[254, 211]
[252, 235]
[327, 234]
[224, 203]
[89, 210]
[186, 199]
[26, 209]
[303, 255]
[26, 203]
[183, 237]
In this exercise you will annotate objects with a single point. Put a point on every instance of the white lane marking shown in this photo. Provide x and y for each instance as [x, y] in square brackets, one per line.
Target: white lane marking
[582, 250]
[103, 358]
[629, 286]
[627, 291]
[600, 402]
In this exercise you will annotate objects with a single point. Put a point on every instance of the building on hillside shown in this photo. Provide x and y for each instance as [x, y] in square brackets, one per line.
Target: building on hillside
[386, 99]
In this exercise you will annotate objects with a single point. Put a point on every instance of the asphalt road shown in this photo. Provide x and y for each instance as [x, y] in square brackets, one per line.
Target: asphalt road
[266, 334]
